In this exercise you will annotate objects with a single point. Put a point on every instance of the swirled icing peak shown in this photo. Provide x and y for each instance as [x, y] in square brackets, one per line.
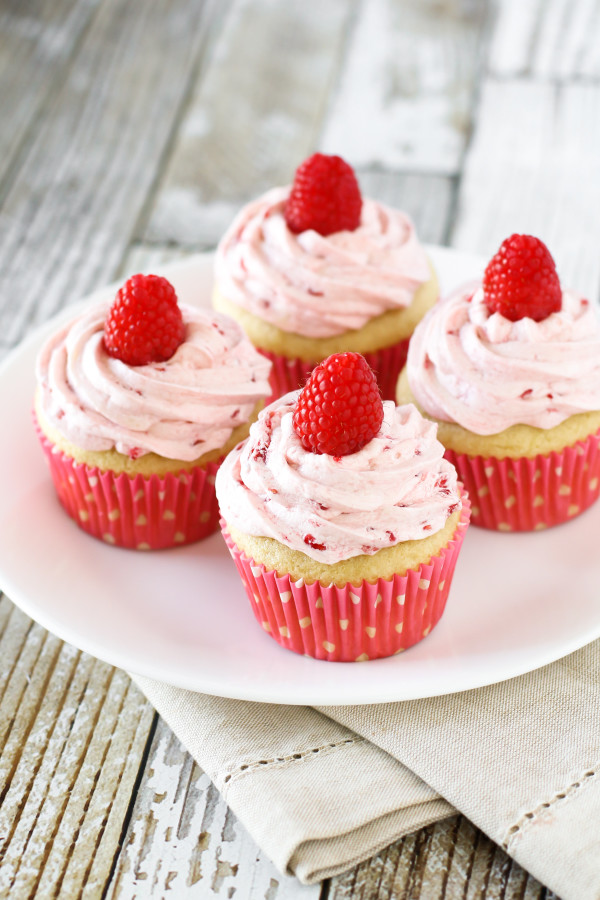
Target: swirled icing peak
[181, 408]
[397, 488]
[486, 373]
[319, 286]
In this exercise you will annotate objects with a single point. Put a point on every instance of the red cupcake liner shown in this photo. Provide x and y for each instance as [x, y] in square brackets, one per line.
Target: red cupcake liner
[531, 494]
[142, 513]
[289, 373]
[357, 622]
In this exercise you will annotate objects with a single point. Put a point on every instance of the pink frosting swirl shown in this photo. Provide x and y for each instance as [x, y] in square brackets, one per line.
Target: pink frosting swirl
[180, 409]
[397, 488]
[319, 286]
[487, 373]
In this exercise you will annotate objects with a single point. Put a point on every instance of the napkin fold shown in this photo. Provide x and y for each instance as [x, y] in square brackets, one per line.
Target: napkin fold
[521, 759]
[315, 796]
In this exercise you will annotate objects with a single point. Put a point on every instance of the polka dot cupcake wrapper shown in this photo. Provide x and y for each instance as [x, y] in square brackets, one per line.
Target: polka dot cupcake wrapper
[288, 374]
[531, 494]
[136, 512]
[353, 623]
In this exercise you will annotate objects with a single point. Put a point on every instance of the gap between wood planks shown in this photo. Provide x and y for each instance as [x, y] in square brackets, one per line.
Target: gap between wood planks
[131, 805]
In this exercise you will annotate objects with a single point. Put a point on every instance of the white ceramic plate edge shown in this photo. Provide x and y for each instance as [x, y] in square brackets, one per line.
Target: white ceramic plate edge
[387, 688]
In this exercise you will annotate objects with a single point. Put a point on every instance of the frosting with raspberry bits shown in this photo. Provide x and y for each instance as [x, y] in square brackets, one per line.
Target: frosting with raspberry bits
[487, 373]
[319, 286]
[180, 408]
[398, 487]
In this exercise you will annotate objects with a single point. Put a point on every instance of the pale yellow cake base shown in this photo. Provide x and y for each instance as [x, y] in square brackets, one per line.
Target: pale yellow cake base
[386, 563]
[380, 332]
[150, 463]
[515, 442]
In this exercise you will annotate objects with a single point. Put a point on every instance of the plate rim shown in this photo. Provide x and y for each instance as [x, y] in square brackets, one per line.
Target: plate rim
[213, 684]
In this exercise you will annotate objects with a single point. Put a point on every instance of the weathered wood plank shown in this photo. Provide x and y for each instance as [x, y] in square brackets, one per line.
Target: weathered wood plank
[462, 862]
[534, 167]
[182, 837]
[390, 874]
[73, 732]
[22, 646]
[552, 39]
[69, 215]
[95, 821]
[440, 851]
[37, 41]
[254, 115]
[405, 96]
[428, 199]
[143, 258]
[450, 860]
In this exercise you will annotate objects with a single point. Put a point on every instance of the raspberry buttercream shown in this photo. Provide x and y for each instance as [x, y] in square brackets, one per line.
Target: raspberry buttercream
[179, 409]
[486, 373]
[319, 286]
[397, 488]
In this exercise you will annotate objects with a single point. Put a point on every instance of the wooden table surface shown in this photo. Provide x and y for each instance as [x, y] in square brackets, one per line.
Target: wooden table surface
[130, 134]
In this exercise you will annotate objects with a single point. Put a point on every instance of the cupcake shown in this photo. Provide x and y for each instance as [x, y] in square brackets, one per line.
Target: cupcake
[136, 405]
[314, 269]
[343, 518]
[509, 369]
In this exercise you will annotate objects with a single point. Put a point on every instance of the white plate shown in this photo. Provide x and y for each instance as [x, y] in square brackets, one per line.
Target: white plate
[182, 616]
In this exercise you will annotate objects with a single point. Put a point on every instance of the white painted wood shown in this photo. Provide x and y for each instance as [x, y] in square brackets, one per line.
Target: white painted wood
[101, 794]
[83, 182]
[72, 734]
[36, 44]
[442, 838]
[548, 39]
[534, 167]
[428, 199]
[144, 258]
[405, 95]
[510, 45]
[183, 838]
[450, 860]
[253, 117]
[461, 863]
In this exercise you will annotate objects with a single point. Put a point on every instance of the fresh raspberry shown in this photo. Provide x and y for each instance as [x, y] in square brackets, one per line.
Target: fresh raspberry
[339, 409]
[144, 323]
[521, 280]
[325, 196]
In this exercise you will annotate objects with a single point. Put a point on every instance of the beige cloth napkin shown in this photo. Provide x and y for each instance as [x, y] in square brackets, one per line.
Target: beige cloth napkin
[521, 759]
[315, 796]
